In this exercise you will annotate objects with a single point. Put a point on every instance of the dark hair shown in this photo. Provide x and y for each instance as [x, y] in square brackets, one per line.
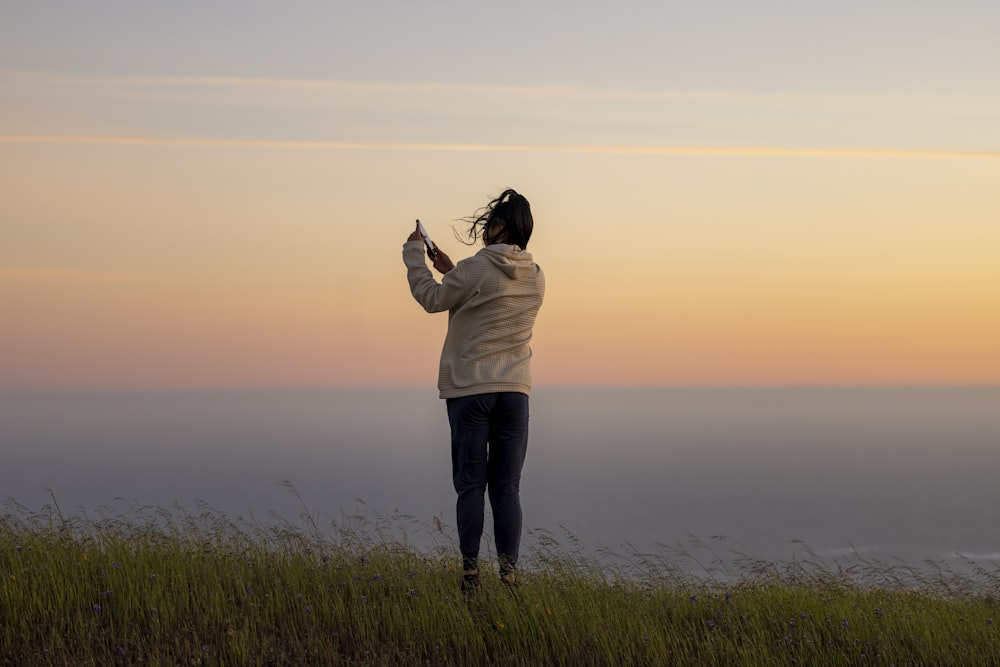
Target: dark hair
[512, 211]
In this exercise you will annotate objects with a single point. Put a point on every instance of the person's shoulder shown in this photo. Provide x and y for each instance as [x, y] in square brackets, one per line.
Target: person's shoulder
[476, 261]
[465, 269]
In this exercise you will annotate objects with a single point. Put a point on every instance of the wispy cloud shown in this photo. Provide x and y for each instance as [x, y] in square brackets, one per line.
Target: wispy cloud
[703, 151]
[254, 112]
[985, 104]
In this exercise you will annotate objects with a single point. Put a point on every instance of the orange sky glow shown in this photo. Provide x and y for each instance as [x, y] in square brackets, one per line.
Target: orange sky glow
[229, 273]
[744, 208]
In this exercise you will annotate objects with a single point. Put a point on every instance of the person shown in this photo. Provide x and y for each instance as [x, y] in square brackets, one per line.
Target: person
[484, 375]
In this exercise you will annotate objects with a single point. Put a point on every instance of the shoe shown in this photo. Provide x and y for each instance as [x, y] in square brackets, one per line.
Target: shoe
[470, 575]
[508, 572]
[470, 581]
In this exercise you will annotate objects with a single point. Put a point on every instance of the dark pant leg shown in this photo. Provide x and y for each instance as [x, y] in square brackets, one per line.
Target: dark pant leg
[507, 448]
[469, 417]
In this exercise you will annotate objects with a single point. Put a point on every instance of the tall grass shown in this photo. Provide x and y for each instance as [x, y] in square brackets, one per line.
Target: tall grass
[166, 587]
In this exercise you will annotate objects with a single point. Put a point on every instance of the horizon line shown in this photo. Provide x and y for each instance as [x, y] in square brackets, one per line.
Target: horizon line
[543, 388]
[698, 151]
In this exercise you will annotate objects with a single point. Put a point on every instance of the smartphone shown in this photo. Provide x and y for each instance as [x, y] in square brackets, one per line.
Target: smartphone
[427, 240]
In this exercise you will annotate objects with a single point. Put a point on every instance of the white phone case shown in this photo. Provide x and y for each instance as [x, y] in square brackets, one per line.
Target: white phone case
[427, 239]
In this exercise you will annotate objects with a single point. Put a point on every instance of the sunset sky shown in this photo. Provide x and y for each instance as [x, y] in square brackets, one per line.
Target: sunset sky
[215, 194]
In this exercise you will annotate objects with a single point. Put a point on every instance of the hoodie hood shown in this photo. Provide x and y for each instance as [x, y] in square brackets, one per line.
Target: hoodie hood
[510, 260]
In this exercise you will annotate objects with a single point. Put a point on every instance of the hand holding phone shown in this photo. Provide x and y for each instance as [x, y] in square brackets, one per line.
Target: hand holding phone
[431, 250]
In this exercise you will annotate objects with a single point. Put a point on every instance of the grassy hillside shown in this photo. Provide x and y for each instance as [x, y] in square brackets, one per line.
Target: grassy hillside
[162, 587]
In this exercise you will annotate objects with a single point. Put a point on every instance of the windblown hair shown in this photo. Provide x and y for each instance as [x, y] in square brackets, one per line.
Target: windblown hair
[513, 213]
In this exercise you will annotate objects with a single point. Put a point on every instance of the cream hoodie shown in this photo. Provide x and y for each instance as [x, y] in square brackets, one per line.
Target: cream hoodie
[492, 299]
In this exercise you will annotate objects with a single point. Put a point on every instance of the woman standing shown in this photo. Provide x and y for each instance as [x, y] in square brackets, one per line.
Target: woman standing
[492, 299]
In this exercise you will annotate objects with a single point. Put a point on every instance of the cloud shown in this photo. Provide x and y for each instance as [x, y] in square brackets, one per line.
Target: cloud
[254, 112]
[697, 151]
[825, 101]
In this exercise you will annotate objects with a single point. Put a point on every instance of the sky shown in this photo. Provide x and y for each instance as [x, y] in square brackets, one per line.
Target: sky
[215, 195]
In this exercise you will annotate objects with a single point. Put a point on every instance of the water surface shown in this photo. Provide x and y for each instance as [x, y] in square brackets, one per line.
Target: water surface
[907, 473]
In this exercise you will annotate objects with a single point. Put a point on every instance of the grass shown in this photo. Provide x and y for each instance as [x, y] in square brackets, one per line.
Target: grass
[159, 587]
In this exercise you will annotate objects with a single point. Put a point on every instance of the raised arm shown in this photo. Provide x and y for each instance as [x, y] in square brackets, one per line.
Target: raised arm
[433, 296]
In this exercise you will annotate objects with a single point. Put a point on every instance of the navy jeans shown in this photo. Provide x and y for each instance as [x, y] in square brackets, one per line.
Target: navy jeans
[489, 439]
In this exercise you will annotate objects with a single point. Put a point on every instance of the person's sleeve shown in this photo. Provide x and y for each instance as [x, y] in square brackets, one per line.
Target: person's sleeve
[433, 296]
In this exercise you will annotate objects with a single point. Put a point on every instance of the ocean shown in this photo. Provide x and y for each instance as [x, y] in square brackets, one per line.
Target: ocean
[892, 474]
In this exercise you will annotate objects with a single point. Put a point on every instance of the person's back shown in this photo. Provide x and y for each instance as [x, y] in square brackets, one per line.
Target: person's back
[492, 299]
